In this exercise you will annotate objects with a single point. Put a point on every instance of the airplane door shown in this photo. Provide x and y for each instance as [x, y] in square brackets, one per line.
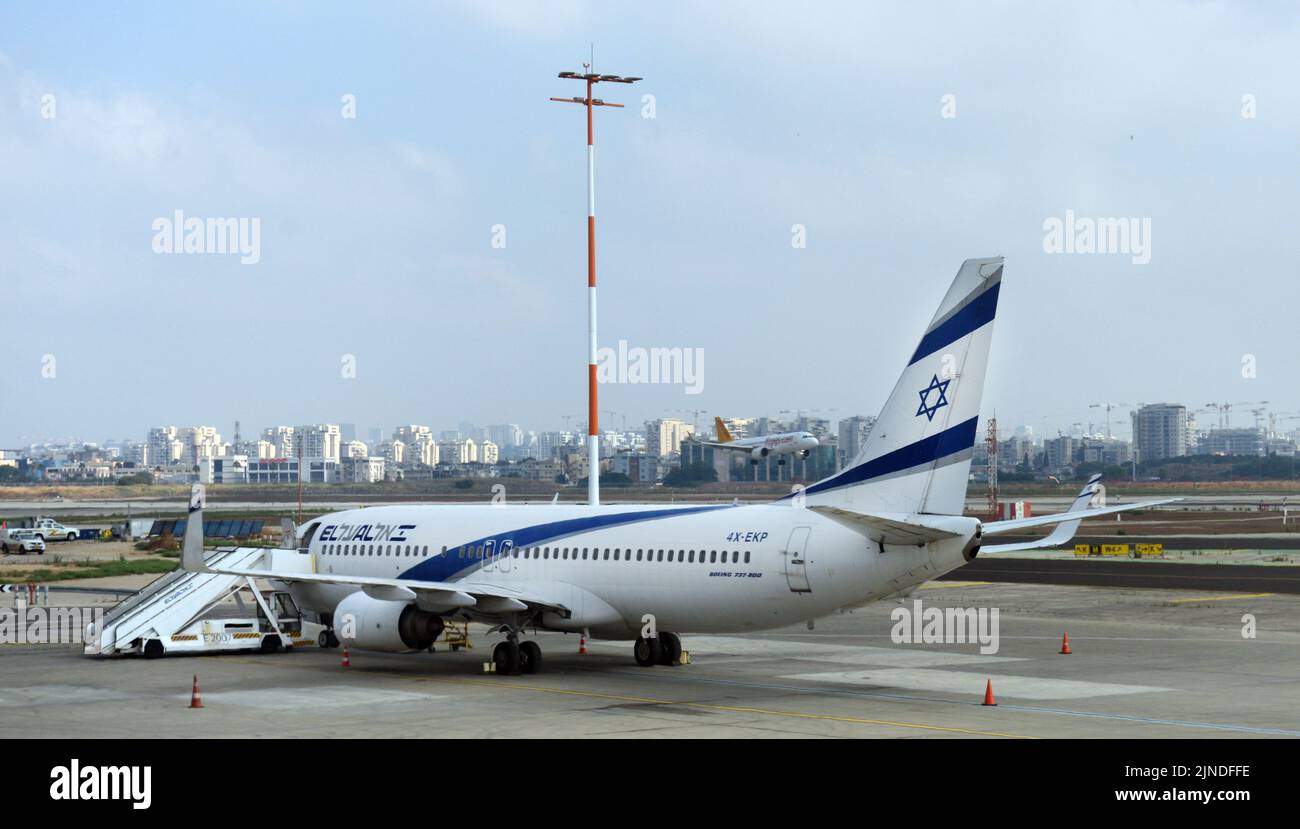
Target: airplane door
[796, 560]
[504, 556]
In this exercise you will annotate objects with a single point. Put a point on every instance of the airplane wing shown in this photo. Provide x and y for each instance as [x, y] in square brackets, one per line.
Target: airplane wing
[1067, 522]
[728, 446]
[442, 595]
[489, 598]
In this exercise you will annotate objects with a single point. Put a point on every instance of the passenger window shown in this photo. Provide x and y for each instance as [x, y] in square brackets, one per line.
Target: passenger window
[690, 556]
[616, 554]
[607, 554]
[713, 556]
[747, 556]
[638, 555]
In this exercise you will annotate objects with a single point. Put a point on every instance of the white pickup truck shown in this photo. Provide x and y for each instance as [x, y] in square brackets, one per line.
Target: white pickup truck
[21, 541]
[50, 530]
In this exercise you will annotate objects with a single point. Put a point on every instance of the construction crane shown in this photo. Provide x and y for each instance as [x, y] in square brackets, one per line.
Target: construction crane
[1225, 409]
[695, 417]
[1108, 407]
[1273, 419]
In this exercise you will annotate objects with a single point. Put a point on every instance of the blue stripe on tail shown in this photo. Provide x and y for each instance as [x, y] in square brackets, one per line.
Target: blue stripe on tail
[977, 313]
[950, 441]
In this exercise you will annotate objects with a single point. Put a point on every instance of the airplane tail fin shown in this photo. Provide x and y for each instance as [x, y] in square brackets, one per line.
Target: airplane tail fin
[724, 434]
[917, 456]
[192, 546]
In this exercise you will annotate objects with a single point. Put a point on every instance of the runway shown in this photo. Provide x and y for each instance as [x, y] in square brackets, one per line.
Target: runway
[1091, 572]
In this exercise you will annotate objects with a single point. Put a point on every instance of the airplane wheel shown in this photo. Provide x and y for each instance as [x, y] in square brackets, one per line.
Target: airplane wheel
[327, 639]
[334, 640]
[530, 657]
[646, 651]
[670, 647]
[506, 657]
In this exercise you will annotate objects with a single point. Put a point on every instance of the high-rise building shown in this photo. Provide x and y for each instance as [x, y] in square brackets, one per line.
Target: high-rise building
[1245, 441]
[355, 449]
[506, 435]
[665, 435]
[1160, 431]
[282, 438]
[320, 441]
[853, 433]
[1060, 452]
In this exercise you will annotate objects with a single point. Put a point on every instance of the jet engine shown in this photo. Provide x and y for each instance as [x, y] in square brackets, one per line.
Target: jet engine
[758, 453]
[804, 453]
[382, 625]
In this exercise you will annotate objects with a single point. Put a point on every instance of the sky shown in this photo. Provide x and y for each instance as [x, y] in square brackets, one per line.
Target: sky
[380, 241]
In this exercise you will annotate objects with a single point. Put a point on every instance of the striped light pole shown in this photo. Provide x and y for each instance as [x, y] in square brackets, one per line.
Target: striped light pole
[593, 414]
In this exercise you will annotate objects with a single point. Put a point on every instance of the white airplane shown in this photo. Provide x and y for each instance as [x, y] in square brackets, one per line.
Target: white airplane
[782, 443]
[387, 578]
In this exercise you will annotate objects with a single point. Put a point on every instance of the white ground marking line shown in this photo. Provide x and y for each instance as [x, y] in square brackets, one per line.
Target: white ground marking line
[896, 657]
[316, 696]
[962, 682]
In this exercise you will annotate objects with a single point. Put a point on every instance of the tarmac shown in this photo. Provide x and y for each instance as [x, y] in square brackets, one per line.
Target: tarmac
[1145, 663]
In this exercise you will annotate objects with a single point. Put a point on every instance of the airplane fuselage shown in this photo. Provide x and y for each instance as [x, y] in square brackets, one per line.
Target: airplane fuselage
[696, 569]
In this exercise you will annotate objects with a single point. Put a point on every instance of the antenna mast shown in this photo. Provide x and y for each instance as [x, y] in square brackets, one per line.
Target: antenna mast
[593, 416]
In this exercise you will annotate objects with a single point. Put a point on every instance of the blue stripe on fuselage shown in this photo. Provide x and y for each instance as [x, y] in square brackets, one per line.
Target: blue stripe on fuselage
[977, 313]
[449, 566]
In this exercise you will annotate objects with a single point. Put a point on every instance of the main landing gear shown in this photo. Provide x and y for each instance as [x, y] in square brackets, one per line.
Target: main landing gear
[665, 649]
[513, 657]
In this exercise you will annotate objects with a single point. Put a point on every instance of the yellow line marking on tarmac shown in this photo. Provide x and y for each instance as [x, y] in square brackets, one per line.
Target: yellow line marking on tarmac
[1220, 598]
[936, 585]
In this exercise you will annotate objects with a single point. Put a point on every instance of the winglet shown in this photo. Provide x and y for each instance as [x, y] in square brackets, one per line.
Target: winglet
[192, 547]
[724, 436]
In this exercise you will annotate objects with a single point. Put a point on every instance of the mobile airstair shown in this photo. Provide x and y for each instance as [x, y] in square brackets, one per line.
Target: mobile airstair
[179, 612]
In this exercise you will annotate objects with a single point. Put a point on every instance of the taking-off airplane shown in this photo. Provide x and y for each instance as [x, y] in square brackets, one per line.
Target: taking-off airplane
[388, 578]
[781, 443]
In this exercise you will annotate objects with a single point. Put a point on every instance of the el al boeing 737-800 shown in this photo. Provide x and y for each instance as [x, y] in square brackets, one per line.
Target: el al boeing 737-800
[388, 578]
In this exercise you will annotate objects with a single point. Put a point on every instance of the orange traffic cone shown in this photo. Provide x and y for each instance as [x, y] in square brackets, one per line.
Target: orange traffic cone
[347, 663]
[582, 646]
[1065, 644]
[988, 694]
[196, 701]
